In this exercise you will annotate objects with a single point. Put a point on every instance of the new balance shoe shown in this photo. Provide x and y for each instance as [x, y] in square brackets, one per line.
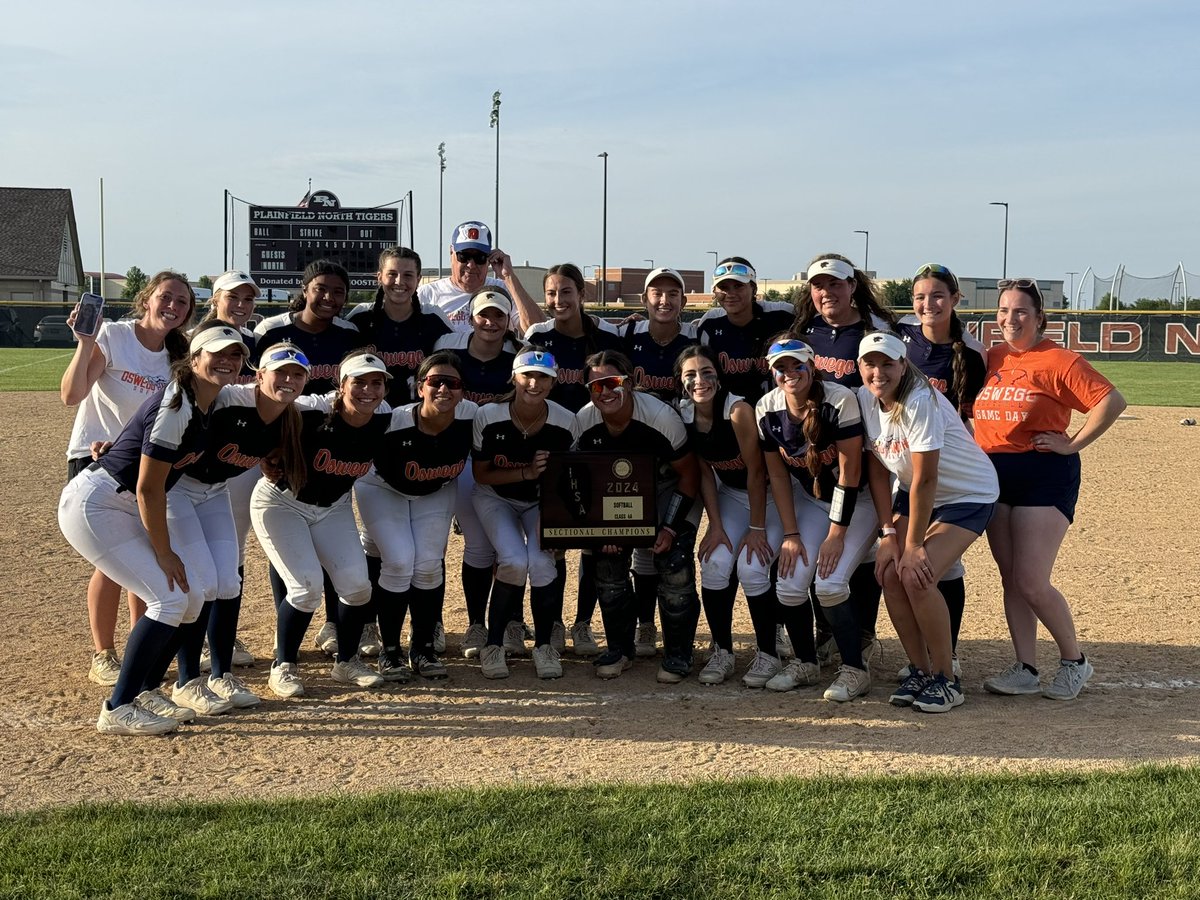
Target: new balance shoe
[940, 695]
[491, 661]
[326, 639]
[392, 667]
[132, 719]
[105, 668]
[719, 667]
[427, 665]
[284, 680]
[473, 641]
[230, 687]
[439, 638]
[1016, 679]
[783, 643]
[196, 695]
[558, 636]
[370, 644]
[645, 643]
[514, 638]
[910, 688]
[850, 683]
[762, 669]
[611, 664]
[155, 702]
[547, 662]
[1068, 681]
[795, 674]
[356, 672]
[583, 640]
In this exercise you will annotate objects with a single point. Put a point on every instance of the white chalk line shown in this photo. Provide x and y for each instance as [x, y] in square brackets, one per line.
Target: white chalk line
[39, 362]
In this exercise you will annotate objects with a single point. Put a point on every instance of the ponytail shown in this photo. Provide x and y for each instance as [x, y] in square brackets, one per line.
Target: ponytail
[291, 450]
[958, 370]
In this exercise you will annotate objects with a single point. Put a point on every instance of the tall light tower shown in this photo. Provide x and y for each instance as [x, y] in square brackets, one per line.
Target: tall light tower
[604, 234]
[441, 195]
[866, 249]
[1004, 270]
[495, 123]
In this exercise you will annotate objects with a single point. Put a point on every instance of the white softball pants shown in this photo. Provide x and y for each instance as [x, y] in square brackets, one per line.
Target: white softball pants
[408, 534]
[240, 489]
[812, 520]
[478, 552]
[753, 575]
[513, 529]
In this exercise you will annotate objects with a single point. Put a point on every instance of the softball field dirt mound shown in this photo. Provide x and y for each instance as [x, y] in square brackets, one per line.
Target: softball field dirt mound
[1129, 567]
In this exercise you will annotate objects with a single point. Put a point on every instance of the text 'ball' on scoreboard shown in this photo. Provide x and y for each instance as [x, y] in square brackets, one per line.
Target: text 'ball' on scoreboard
[285, 239]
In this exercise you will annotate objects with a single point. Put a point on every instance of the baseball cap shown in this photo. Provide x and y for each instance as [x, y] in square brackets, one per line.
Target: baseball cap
[471, 236]
[490, 298]
[791, 348]
[664, 272]
[283, 354]
[882, 342]
[838, 268]
[362, 364]
[734, 271]
[216, 339]
[235, 278]
[535, 361]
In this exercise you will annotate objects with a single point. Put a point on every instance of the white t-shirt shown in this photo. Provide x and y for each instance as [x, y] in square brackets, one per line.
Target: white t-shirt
[456, 303]
[965, 474]
[132, 374]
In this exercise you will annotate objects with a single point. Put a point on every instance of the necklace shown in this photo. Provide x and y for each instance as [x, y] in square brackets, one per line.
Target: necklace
[533, 426]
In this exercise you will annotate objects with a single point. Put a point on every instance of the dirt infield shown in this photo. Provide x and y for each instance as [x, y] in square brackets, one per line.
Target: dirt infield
[1130, 568]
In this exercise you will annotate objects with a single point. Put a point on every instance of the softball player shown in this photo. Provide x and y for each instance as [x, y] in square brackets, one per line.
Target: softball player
[305, 519]
[115, 514]
[406, 503]
[513, 439]
[653, 344]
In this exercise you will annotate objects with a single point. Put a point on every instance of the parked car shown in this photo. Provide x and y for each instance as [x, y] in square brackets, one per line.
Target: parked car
[53, 331]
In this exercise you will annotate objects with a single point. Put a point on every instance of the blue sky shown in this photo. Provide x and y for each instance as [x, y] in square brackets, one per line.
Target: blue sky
[769, 130]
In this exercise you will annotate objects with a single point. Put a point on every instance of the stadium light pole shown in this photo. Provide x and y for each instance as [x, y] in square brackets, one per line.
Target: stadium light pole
[441, 195]
[1004, 271]
[604, 233]
[650, 261]
[1071, 289]
[714, 268]
[866, 249]
[495, 123]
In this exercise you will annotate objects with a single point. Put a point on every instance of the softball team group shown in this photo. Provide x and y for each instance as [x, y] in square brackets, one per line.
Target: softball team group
[837, 454]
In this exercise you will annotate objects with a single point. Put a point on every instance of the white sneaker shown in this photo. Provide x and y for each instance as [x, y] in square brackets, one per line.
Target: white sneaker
[356, 672]
[473, 641]
[155, 702]
[850, 683]
[558, 636]
[762, 669]
[205, 658]
[583, 640]
[546, 662]
[718, 668]
[646, 642]
[795, 674]
[105, 668]
[230, 687]
[1068, 681]
[908, 669]
[326, 639]
[241, 656]
[132, 719]
[196, 695]
[612, 664]
[872, 651]
[783, 643]
[439, 637]
[514, 638]
[285, 681]
[370, 644]
[491, 661]
[1014, 680]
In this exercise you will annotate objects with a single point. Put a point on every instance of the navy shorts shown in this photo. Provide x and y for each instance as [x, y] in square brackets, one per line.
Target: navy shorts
[971, 516]
[1038, 479]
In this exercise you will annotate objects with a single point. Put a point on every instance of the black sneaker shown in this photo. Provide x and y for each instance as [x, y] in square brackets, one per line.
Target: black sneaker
[427, 665]
[392, 667]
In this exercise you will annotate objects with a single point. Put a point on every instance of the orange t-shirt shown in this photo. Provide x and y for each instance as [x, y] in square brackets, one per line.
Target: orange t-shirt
[1031, 392]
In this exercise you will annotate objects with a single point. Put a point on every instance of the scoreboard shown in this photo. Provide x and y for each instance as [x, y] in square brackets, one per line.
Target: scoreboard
[285, 239]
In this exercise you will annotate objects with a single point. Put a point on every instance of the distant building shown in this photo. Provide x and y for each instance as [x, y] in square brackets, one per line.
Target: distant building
[39, 246]
[114, 283]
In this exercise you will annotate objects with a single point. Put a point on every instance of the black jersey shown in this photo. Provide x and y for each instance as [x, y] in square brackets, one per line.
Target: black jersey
[401, 345]
[937, 362]
[497, 440]
[654, 363]
[175, 436]
[325, 351]
[238, 438]
[655, 428]
[335, 452]
[840, 420]
[719, 445]
[484, 380]
[569, 354]
[415, 463]
[741, 349]
[836, 347]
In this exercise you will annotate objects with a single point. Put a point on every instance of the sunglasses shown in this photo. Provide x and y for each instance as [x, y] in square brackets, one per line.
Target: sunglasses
[934, 269]
[1024, 284]
[471, 256]
[597, 386]
[734, 269]
[433, 382]
[292, 356]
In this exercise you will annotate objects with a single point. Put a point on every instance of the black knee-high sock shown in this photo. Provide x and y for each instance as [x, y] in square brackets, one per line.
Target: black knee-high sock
[390, 607]
[477, 585]
[222, 632]
[798, 620]
[824, 629]
[646, 589]
[350, 622]
[764, 616]
[585, 598]
[546, 604]
[955, 592]
[864, 594]
[517, 613]
[292, 623]
[146, 642]
[278, 588]
[846, 632]
[439, 597]
[191, 645]
[505, 598]
[332, 605]
[422, 605]
[157, 671]
[718, 612]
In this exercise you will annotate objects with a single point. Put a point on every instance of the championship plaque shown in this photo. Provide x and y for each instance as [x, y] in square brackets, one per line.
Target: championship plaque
[593, 499]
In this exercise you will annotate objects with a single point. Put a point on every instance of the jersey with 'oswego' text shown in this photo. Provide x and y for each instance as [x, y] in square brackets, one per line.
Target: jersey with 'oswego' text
[416, 463]
[325, 351]
[484, 380]
[741, 349]
[238, 438]
[840, 419]
[336, 453]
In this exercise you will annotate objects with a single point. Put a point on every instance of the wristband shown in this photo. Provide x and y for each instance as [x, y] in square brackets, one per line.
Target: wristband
[841, 507]
[792, 534]
[887, 531]
[756, 528]
[678, 508]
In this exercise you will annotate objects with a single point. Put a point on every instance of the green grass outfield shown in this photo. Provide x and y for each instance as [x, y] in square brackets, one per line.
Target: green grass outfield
[1142, 383]
[1134, 834]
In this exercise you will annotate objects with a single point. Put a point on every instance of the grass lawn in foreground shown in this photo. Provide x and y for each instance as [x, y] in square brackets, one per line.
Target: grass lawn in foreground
[1134, 834]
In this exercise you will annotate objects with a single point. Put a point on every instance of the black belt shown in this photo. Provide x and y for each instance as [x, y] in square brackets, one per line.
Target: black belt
[96, 467]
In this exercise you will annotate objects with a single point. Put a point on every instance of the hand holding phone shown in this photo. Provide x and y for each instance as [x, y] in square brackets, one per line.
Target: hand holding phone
[88, 315]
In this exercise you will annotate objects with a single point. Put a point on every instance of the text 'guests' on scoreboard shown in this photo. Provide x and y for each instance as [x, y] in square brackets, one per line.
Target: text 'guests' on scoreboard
[285, 239]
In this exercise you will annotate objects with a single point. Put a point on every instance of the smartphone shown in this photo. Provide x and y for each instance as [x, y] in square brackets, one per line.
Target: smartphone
[87, 320]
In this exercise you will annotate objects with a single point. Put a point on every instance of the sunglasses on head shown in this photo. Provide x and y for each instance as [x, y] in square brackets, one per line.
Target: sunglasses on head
[471, 256]
[934, 269]
[294, 356]
[1024, 284]
[433, 382]
[731, 268]
[610, 382]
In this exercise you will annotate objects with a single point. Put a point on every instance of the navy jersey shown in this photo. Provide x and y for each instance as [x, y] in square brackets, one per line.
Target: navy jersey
[569, 353]
[325, 351]
[840, 419]
[335, 452]
[497, 440]
[836, 348]
[937, 362]
[741, 349]
[484, 380]
[719, 445]
[401, 345]
[415, 463]
[654, 363]
[175, 436]
[238, 438]
[655, 428]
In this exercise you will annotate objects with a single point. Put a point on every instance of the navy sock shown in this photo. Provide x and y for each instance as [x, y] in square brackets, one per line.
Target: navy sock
[846, 632]
[147, 641]
[157, 672]
[764, 614]
[955, 592]
[585, 597]
[864, 594]
[332, 604]
[546, 604]
[477, 585]
[422, 605]
[800, 630]
[191, 645]
[292, 625]
[390, 607]
[350, 622]
[506, 598]
[278, 588]
[222, 630]
[718, 612]
[645, 587]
